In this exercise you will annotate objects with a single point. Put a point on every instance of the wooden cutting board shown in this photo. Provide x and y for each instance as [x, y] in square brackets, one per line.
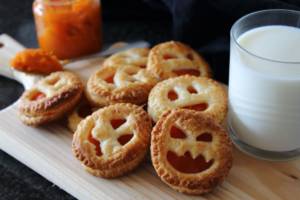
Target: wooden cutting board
[47, 150]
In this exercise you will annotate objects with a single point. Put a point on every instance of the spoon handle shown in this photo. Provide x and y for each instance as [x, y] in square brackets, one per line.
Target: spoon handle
[8, 48]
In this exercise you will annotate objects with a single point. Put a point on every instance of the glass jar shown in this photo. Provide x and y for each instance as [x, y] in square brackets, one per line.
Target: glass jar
[264, 84]
[68, 28]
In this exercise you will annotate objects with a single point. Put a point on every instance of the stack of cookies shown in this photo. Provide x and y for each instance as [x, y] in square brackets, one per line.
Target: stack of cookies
[168, 86]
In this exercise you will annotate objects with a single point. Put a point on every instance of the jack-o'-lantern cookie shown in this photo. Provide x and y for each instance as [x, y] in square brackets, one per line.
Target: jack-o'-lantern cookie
[171, 59]
[113, 140]
[190, 152]
[135, 56]
[190, 92]
[81, 111]
[50, 98]
[119, 84]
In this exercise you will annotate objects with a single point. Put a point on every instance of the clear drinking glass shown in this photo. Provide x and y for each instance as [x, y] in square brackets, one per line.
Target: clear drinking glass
[264, 93]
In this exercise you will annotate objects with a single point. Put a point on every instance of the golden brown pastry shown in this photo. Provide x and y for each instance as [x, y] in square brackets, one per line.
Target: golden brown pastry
[135, 56]
[190, 92]
[171, 59]
[51, 98]
[113, 140]
[119, 84]
[190, 152]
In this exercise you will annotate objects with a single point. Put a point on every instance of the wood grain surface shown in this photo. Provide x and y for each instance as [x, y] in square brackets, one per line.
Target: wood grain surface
[47, 150]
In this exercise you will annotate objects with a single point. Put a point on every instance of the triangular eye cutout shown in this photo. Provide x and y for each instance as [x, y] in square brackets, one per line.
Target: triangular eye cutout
[172, 95]
[124, 139]
[192, 90]
[205, 137]
[37, 95]
[177, 133]
[116, 123]
[53, 81]
[110, 79]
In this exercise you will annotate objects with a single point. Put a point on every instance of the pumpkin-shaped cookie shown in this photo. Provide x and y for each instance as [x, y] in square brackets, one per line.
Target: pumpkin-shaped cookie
[196, 93]
[171, 59]
[113, 140]
[120, 84]
[190, 152]
[50, 98]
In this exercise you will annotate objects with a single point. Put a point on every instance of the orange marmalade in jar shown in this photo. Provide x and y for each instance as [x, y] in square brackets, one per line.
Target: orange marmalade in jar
[68, 28]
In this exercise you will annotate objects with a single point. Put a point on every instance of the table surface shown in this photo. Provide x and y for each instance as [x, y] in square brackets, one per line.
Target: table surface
[18, 181]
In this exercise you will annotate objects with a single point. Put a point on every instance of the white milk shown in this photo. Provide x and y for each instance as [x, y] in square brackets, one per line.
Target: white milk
[264, 95]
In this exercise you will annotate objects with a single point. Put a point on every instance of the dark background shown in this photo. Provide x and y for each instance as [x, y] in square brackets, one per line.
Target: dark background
[203, 24]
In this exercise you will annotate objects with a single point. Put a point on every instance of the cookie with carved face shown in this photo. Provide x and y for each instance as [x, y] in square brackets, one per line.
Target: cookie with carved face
[190, 152]
[51, 98]
[113, 140]
[171, 59]
[189, 92]
[119, 84]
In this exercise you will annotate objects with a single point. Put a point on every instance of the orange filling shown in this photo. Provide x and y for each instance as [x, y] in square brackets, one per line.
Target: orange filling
[177, 133]
[192, 90]
[53, 81]
[169, 56]
[187, 164]
[193, 72]
[197, 107]
[84, 110]
[37, 96]
[116, 123]
[123, 139]
[110, 79]
[36, 61]
[96, 143]
[70, 29]
[172, 95]
[205, 137]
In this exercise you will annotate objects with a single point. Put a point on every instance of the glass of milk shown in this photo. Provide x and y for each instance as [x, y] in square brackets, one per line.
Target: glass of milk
[264, 84]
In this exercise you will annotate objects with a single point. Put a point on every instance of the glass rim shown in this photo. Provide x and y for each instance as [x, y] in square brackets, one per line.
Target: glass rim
[234, 26]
